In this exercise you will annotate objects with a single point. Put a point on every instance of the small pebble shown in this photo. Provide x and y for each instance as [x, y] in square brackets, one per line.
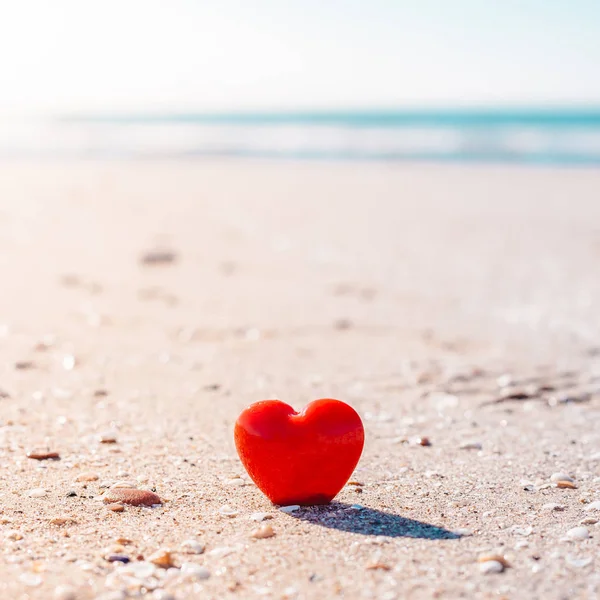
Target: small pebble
[593, 505]
[162, 559]
[491, 566]
[64, 592]
[264, 532]
[192, 547]
[30, 579]
[504, 380]
[561, 477]
[260, 516]
[24, 365]
[463, 532]
[158, 257]
[123, 484]
[227, 511]
[195, 571]
[471, 446]
[37, 493]
[289, 509]
[123, 541]
[553, 506]
[115, 507]
[578, 533]
[494, 558]
[588, 521]
[87, 477]
[62, 521]
[132, 497]
[69, 362]
[108, 437]
[43, 455]
[118, 558]
[235, 481]
[569, 485]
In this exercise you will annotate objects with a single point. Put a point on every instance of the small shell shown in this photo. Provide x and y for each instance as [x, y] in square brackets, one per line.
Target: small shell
[569, 485]
[43, 455]
[132, 496]
[264, 532]
[494, 557]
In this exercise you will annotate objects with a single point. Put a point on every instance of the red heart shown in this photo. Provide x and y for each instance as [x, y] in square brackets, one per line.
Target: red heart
[299, 458]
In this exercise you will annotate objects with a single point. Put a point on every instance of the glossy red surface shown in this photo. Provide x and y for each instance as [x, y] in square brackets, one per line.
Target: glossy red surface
[299, 458]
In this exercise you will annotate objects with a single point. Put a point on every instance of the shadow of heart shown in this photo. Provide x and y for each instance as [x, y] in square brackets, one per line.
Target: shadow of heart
[369, 521]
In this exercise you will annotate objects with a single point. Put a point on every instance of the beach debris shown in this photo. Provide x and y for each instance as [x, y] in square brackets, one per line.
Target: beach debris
[133, 497]
[158, 257]
[43, 455]
[556, 477]
[509, 394]
[162, 559]
[567, 485]
[123, 541]
[122, 558]
[228, 511]
[289, 509]
[491, 566]
[588, 521]
[192, 547]
[263, 532]
[553, 506]
[471, 446]
[37, 493]
[108, 437]
[578, 533]
[260, 516]
[60, 521]
[121, 484]
[463, 532]
[194, 571]
[235, 481]
[483, 558]
[492, 563]
[24, 365]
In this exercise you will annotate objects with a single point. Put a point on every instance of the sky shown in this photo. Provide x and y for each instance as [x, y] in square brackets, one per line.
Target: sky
[106, 56]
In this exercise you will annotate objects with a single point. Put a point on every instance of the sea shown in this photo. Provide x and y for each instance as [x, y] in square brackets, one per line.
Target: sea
[556, 136]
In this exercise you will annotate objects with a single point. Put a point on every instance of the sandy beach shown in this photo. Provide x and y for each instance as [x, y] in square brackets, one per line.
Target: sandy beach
[146, 303]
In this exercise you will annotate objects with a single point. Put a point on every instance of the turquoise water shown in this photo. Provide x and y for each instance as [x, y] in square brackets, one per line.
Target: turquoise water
[552, 118]
[548, 135]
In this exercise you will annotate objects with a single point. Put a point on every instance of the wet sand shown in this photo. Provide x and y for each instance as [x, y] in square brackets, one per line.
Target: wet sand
[150, 302]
